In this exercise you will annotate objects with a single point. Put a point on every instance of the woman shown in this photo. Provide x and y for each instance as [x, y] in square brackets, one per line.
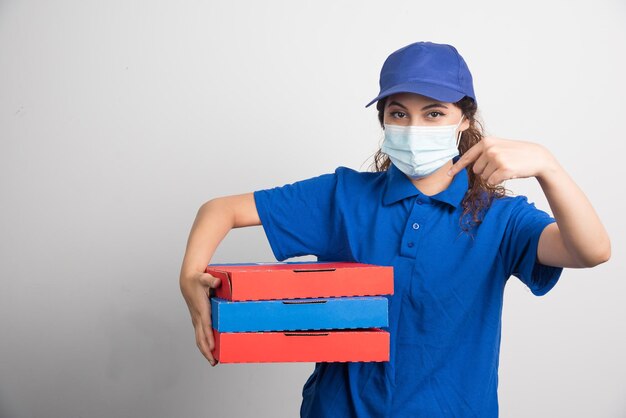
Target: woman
[435, 210]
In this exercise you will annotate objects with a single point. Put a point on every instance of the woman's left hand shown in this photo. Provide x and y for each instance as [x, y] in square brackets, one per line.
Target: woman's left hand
[496, 160]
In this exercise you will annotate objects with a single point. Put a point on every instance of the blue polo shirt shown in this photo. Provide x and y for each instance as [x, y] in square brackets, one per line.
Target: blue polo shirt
[445, 313]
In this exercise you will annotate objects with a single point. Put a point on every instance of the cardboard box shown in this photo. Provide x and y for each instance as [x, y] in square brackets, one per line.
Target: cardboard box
[299, 314]
[264, 281]
[302, 346]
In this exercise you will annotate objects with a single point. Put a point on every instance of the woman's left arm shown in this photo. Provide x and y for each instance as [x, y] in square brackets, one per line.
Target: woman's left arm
[578, 238]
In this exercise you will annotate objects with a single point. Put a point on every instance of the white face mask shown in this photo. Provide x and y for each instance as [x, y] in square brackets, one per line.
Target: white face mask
[420, 150]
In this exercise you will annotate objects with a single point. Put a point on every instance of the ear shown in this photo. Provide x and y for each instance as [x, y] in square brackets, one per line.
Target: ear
[464, 125]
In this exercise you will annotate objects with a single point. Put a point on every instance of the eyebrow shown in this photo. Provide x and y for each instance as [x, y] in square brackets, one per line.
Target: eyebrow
[430, 106]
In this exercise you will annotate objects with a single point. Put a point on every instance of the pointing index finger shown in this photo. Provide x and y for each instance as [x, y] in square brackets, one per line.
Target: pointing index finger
[466, 159]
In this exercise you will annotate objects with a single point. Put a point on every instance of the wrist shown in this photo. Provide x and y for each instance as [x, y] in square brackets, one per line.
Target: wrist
[550, 167]
[551, 174]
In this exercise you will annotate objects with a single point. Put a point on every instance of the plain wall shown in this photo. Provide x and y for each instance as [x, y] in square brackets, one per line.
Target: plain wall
[118, 119]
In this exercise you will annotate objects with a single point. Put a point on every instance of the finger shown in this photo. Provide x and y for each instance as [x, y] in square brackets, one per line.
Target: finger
[203, 344]
[489, 170]
[208, 332]
[209, 280]
[207, 329]
[499, 176]
[480, 164]
[203, 326]
[466, 159]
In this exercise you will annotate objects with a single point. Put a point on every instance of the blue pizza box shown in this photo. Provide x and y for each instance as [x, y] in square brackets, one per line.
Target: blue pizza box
[299, 314]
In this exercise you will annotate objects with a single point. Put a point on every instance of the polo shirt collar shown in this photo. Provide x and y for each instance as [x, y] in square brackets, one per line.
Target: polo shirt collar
[399, 187]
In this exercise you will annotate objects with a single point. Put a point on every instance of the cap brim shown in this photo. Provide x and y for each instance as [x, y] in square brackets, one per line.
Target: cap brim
[440, 93]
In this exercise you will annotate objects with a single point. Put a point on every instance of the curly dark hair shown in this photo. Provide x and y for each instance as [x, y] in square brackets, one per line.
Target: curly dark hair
[479, 194]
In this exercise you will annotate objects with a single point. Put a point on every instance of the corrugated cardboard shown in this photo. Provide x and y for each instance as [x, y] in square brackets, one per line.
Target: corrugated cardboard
[266, 281]
[299, 314]
[302, 346]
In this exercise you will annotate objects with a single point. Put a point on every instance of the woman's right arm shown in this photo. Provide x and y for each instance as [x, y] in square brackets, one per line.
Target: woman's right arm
[213, 221]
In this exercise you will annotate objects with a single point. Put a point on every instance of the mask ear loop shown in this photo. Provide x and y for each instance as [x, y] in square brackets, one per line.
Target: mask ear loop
[458, 138]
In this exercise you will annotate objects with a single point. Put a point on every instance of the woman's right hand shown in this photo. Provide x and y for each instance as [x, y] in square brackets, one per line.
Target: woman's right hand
[196, 289]
[215, 218]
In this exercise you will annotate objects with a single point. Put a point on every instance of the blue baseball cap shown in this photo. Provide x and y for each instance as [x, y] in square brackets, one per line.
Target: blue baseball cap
[434, 70]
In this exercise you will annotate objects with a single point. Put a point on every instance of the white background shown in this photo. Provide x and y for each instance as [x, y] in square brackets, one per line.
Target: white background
[118, 119]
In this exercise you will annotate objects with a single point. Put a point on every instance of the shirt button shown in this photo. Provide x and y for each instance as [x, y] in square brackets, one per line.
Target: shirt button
[410, 244]
[416, 226]
[419, 202]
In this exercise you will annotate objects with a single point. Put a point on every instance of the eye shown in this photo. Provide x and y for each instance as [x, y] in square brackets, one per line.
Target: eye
[398, 114]
[435, 114]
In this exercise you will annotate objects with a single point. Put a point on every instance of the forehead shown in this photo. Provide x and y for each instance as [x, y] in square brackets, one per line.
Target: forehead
[412, 99]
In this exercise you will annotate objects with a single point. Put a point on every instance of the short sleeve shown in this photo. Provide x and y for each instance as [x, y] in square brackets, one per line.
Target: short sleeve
[519, 247]
[298, 218]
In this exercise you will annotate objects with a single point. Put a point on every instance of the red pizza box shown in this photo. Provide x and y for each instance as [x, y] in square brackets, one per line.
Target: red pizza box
[294, 280]
[370, 344]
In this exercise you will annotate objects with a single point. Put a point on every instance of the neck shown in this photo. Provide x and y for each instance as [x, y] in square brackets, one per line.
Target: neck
[435, 182]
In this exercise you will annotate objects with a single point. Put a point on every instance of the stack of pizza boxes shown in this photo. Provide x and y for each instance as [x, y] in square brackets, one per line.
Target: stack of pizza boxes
[301, 312]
